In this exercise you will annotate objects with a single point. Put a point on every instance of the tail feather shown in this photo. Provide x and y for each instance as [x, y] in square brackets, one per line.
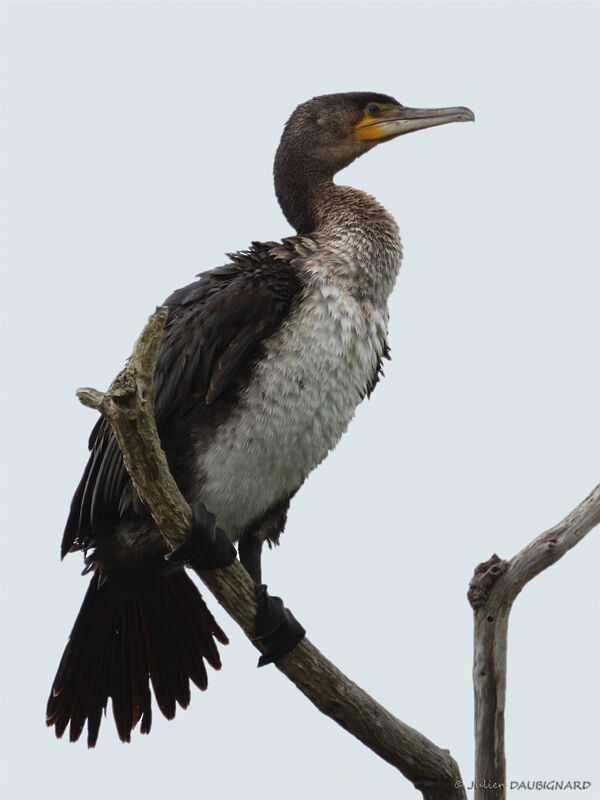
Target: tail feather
[139, 685]
[124, 640]
[121, 696]
[198, 642]
[164, 673]
[100, 687]
[83, 689]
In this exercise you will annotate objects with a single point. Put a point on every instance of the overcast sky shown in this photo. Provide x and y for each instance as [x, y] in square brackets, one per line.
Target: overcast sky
[137, 149]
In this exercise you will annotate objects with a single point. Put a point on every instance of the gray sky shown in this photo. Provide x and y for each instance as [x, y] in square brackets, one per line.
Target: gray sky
[137, 144]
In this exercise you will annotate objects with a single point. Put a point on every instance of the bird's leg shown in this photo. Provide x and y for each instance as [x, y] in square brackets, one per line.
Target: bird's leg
[276, 626]
[250, 551]
[206, 546]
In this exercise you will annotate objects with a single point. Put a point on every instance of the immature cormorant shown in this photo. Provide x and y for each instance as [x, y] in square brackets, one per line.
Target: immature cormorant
[262, 365]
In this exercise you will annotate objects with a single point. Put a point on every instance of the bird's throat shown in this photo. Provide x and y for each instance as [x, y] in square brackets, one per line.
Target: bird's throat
[302, 194]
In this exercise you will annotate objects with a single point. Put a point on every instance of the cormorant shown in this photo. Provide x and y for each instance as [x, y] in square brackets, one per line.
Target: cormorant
[262, 365]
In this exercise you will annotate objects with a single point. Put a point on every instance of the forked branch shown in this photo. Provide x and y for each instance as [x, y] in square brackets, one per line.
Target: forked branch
[493, 589]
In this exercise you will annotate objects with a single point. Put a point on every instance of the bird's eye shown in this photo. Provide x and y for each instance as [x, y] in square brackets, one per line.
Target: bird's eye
[373, 109]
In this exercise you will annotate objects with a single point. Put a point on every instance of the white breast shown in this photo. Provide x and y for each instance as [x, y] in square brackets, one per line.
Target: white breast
[298, 404]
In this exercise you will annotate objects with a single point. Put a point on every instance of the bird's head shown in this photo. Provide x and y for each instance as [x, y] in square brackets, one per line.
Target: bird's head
[328, 132]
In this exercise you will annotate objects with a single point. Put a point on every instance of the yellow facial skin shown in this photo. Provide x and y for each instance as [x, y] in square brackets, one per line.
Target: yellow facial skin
[386, 120]
[373, 126]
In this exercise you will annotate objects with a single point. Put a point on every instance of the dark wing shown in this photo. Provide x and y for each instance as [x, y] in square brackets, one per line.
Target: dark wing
[378, 373]
[212, 341]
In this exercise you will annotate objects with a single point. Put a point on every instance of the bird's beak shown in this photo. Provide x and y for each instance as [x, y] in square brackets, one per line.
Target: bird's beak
[396, 120]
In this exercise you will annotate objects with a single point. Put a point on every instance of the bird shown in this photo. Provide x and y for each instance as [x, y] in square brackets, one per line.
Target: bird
[262, 365]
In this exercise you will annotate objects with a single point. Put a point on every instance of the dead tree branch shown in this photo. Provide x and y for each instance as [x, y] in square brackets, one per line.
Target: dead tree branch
[129, 408]
[492, 592]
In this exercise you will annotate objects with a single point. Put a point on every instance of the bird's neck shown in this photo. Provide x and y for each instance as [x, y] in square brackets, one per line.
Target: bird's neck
[303, 194]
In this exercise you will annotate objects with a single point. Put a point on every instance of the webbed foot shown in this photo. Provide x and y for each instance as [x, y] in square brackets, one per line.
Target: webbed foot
[276, 626]
[206, 546]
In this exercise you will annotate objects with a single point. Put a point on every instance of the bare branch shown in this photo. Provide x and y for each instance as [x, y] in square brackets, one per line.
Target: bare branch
[129, 407]
[492, 591]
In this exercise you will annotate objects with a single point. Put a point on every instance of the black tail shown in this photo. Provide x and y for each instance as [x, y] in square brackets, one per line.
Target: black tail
[121, 639]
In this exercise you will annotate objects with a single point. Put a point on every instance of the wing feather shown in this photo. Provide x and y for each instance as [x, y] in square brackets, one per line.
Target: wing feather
[212, 340]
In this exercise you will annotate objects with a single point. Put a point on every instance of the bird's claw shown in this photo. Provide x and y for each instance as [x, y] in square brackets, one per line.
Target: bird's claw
[206, 546]
[276, 627]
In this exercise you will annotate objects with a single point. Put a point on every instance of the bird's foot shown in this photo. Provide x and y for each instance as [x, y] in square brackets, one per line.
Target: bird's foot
[206, 546]
[276, 626]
